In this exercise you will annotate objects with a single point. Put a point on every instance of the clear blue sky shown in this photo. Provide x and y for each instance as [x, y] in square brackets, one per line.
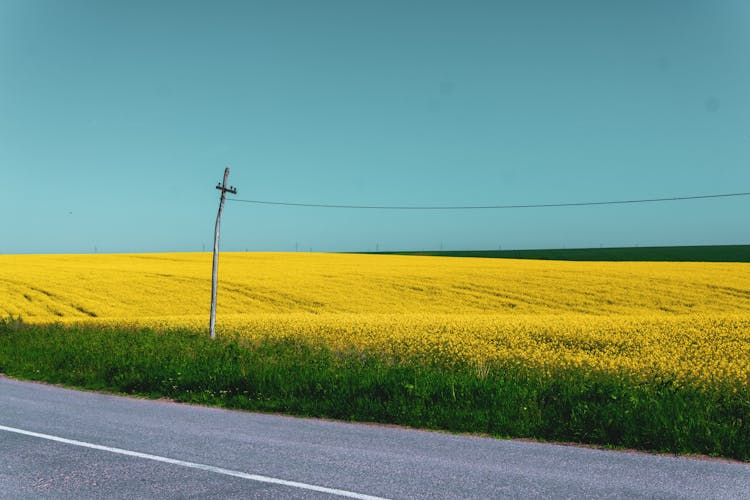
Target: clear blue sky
[118, 118]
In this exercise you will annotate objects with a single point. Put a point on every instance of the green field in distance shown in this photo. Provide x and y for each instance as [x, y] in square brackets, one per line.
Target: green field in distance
[714, 253]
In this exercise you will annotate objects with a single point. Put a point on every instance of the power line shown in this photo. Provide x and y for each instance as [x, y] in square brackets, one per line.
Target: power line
[489, 207]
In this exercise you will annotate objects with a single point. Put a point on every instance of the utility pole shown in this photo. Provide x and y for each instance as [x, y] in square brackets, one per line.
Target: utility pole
[214, 275]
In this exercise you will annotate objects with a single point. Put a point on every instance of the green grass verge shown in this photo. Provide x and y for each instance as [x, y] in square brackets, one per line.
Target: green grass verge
[508, 400]
[717, 253]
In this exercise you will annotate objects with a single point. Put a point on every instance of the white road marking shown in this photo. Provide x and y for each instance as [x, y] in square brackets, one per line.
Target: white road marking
[183, 463]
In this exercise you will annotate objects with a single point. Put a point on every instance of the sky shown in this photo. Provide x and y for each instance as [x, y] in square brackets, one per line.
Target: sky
[118, 118]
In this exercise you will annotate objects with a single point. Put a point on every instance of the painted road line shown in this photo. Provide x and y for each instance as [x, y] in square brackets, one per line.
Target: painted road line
[192, 465]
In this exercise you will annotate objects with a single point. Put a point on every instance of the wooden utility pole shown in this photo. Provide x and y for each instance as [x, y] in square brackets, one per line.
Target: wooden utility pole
[214, 275]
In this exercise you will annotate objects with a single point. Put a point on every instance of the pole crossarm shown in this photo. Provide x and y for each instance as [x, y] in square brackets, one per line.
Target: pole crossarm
[224, 189]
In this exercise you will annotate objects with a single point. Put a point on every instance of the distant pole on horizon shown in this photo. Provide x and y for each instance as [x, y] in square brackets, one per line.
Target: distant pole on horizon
[214, 274]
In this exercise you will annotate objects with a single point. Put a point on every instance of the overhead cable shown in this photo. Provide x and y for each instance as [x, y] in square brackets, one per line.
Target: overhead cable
[488, 207]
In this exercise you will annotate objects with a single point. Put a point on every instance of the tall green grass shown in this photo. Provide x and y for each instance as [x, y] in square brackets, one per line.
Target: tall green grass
[508, 400]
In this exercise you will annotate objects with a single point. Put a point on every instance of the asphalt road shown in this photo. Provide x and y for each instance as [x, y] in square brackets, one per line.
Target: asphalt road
[59, 443]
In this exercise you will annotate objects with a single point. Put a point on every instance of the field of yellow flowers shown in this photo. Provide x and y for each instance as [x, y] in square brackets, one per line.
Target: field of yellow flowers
[684, 322]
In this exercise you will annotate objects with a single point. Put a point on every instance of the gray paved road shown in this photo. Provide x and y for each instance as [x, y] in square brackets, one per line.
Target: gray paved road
[358, 459]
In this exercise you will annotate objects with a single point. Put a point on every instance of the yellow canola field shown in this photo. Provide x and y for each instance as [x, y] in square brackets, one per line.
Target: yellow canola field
[688, 322]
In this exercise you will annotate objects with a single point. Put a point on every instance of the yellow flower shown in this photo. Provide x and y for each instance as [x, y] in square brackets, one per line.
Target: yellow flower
[685, 322]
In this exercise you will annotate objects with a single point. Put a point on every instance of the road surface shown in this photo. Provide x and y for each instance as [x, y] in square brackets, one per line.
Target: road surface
[60, 443]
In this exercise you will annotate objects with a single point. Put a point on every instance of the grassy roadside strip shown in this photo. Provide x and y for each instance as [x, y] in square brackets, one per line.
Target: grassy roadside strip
[509, 400]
